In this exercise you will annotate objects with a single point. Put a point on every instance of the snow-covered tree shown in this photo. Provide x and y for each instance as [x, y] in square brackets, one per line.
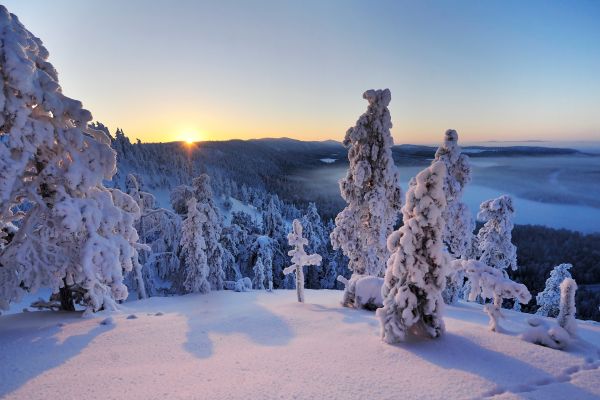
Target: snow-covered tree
[314, 232]
[458, 231]
[490, 283]
[459, 223]
[371, 188]
[549, 298]
[494, 238]
[180, 195]
[259, 274]
[74, 235]
[566, 315]
[299, 257]
[193, 250]
[161, 230]
[416, 270]
[275, 228]
[211, 229]
[262, 249]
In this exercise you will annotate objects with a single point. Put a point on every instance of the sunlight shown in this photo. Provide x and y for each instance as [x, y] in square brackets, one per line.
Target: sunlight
[190, 136]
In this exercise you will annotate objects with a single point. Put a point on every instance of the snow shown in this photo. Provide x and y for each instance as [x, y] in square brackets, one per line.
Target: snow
[252, 345]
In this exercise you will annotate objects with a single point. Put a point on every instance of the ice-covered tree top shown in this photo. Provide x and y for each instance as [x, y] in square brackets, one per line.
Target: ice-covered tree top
[370, 142]
[500, 209]
[494, 238]
[202, 189]
[457, 164]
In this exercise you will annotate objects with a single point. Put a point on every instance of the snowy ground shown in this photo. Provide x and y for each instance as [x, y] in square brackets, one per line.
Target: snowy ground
[259, 345]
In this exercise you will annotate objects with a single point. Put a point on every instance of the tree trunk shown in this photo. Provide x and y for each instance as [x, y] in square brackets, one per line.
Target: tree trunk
[66, 298]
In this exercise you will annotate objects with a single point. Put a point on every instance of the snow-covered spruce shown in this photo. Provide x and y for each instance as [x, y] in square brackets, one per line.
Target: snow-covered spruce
[74, 235]
[371, 188]
[491, 283]
[362, 291]
[193, 251]
[494, 238]
[416, 270]
[566, 316]
[211, 229]
[299, 257]
[458, 231]
[549, 298]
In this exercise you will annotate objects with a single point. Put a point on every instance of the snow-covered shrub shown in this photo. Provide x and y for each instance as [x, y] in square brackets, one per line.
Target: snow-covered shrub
[416, 270]
[557, 337]
[241, 285]
[73, 233]
[362, 291]
[458, 231]
[494, 238]
[566, 316]
[539, 333]
[193, 251]
[549, 298]
[299, 257]
[491, 284]
[371, 188]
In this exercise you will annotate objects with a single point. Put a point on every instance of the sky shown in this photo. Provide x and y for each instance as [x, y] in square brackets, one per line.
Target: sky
[216, 70]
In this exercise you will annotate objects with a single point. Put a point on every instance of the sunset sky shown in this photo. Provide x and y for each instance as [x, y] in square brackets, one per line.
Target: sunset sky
[177, 70]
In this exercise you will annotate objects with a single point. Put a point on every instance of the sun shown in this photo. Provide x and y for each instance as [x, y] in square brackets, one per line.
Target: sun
[190, 137]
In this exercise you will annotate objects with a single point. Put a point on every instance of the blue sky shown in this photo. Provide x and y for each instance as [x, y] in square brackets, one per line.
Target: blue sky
[169, 70]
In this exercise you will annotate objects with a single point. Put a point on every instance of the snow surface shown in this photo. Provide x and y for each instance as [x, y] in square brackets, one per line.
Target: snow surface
[259, 345]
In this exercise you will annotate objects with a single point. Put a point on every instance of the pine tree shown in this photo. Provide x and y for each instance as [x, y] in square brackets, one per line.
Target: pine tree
[371, 188]
[416, 270]
[75, 235]
[549, 298]
[193, 251]
[299, 257]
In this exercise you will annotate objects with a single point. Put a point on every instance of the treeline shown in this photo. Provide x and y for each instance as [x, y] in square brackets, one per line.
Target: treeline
[539, 249]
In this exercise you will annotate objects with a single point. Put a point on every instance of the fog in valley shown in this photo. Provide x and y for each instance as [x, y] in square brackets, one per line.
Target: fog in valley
[556, 191]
